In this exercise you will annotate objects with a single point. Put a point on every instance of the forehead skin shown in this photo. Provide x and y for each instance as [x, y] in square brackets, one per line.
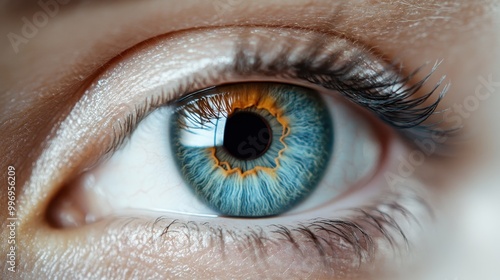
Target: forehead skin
[40, 83]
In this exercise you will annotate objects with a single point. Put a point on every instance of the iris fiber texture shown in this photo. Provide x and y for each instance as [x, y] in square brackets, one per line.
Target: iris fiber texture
[272, 183]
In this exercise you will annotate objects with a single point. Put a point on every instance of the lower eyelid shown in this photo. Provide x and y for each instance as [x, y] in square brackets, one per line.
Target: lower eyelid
[322, 246]
[349, 244]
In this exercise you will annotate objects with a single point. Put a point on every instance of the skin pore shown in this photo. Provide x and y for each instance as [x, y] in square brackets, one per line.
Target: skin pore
[43, 80]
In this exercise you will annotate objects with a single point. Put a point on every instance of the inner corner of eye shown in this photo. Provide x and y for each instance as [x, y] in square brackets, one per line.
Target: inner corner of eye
[239, 150]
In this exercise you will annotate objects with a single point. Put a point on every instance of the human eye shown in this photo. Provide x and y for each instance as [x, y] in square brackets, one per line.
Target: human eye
[55, 129]
[146, 145]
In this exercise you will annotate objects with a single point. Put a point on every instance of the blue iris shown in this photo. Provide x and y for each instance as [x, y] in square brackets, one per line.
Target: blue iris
[258, 172]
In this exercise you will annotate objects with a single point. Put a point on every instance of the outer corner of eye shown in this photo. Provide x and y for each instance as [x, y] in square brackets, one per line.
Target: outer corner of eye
[237, 150]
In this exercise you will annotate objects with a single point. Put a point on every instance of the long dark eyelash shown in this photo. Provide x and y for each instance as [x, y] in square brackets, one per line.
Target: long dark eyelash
[386, 92]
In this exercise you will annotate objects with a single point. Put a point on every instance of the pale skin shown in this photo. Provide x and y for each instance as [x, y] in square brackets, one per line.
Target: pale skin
[42, 78]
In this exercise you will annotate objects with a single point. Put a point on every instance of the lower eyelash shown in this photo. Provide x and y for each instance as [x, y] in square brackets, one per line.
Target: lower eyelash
[355, 240]
[360, 232]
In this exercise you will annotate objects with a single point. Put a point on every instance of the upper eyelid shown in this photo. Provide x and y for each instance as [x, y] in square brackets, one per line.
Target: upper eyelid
[248, 60]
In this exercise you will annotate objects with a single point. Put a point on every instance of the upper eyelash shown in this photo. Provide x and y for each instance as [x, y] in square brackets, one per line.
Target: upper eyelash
[396, 107]
[386, 93]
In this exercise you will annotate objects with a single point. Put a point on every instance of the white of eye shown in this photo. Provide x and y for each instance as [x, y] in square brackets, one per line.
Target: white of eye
[143, 176]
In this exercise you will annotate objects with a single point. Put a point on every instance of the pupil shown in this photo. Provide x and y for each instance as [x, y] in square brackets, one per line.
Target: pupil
[247, 135]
